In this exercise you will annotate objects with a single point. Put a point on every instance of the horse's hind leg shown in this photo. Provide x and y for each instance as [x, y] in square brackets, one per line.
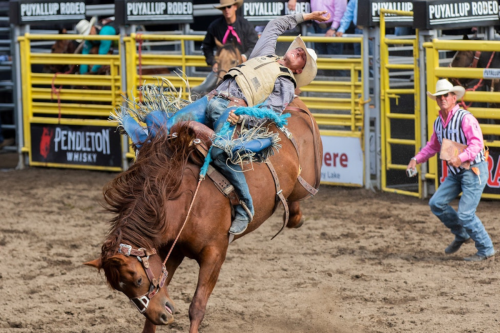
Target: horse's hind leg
[210, 264]
[296, 219]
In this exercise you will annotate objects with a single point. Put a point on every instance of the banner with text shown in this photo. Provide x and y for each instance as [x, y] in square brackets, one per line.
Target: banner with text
[493, 184]
[79, 145]
[342, 160]
[23, 12]
[153, 12]
[261, 12]
[371, 18]
[443, 14]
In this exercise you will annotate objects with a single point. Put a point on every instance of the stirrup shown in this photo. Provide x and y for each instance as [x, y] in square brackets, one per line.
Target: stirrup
[250, 215]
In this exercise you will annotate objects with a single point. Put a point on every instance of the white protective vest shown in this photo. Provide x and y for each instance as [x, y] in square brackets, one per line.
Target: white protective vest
[256, 77]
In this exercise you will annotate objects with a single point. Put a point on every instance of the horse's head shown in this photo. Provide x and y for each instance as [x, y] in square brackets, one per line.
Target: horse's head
[464, 59]
[141, 276]
[62, 46]
[228, 56]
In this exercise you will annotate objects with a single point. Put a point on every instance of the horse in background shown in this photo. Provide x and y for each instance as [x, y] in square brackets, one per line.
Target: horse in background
[476, 59]
[152, 206]
[228, 56]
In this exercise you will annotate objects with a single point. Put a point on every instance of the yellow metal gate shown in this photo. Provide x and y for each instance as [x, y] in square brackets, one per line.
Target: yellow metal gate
[395, 166]
[488, 115]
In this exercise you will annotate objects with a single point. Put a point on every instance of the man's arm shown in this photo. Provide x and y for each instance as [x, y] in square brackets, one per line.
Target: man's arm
[346, 18]
[105, 45]
[267, 42]
[208, 46]
[474, 136]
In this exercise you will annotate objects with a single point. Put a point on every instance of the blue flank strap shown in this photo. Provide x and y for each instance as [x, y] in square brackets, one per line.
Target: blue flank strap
[279, 120]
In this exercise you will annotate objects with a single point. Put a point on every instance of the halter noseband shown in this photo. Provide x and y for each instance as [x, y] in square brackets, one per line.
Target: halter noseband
[142, 302]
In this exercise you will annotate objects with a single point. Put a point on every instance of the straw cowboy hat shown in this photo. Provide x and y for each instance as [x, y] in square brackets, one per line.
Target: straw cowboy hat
[225, 3]
[83, 27]
[310, 69]
[444, 86]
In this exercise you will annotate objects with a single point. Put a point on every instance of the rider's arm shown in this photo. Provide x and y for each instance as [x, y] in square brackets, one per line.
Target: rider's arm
[208, 45]
[105, 45]
[267, 42]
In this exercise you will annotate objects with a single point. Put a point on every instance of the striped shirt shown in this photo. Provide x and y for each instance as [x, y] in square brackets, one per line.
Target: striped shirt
[460, 126]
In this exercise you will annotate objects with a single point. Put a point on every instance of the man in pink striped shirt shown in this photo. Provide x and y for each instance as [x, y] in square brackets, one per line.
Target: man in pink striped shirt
[456, 124]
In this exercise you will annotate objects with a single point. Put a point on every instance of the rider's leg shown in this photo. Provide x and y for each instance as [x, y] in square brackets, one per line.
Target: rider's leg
[136, 132]
[193, 112]
[235, 175]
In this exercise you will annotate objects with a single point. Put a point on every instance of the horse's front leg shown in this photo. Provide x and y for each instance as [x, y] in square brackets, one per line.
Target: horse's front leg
[296, 219]
[149, 327]
[210, 265]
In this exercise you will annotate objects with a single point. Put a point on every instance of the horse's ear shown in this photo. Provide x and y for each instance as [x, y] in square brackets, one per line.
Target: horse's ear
[97, 263]
[218, 44]
[466, 37]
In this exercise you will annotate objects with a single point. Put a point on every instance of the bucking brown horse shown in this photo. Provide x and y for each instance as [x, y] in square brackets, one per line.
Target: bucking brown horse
[151, 201]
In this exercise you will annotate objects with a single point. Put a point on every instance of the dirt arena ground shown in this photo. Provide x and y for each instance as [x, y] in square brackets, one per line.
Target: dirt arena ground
[362, 262]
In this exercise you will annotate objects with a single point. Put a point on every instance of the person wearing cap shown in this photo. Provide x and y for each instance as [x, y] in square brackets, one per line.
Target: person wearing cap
[230, 28]
[265, 80]
[86, 28]
[456, 124]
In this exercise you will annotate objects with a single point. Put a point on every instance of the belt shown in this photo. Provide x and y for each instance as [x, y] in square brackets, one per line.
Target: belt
[324, 25]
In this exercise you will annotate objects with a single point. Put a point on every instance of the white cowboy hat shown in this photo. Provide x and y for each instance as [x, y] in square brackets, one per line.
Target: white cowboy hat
[310, 69]
[83, 27]
[444, 86]
[225, 3]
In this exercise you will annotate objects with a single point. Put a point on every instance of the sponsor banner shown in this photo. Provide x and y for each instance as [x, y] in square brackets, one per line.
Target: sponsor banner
[371, 18]
[491, 73]
[443, 14]
[23, 12]
[153, 12]
[493, 184]
[261, 12]
[78, 145]
[342, 160]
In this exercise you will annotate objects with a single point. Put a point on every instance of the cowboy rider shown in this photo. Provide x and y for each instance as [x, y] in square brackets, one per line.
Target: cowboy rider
[86, 28]
[230, 28]
[265, 80]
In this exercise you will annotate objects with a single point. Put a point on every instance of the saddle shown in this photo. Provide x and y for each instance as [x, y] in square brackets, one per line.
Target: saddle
[202, 145]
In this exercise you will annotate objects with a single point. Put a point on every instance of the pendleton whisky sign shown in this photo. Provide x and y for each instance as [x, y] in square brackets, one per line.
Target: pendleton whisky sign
[23, 12]
[153, 12]
[460, 14]
[371, 18]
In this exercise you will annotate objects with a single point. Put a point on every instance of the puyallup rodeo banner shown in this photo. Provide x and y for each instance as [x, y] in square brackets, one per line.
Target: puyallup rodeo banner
[261, 12]
[24, 12]
[153, 12]
[371, 17]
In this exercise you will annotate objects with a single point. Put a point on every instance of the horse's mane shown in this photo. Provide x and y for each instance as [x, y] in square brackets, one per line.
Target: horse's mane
[137, 196]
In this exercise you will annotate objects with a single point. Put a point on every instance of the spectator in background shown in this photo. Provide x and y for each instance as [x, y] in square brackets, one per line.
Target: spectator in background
[350, 15]
[4, 142]
[229, 28]
[86, 28]
[336, 8]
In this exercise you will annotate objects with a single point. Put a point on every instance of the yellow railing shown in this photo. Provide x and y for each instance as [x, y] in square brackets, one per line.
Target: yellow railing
[343, 113]
[67, 99]
[488, 117]
[388, 93]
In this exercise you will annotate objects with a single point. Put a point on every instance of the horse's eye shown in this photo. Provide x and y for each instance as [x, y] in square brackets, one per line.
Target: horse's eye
[139, 282]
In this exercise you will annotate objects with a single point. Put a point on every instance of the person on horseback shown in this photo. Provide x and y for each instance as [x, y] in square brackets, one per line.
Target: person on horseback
[230, 28]
[264, 81]
[86, 28]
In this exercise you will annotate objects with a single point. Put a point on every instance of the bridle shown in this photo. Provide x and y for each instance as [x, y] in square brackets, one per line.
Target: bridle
[142, 302]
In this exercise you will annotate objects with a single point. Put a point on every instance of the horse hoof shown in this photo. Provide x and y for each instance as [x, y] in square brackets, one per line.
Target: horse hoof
[298, 225]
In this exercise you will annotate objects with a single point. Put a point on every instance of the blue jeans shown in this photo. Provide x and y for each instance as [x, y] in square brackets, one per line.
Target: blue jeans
[214, 114]
[464, 224]
[326, 48]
